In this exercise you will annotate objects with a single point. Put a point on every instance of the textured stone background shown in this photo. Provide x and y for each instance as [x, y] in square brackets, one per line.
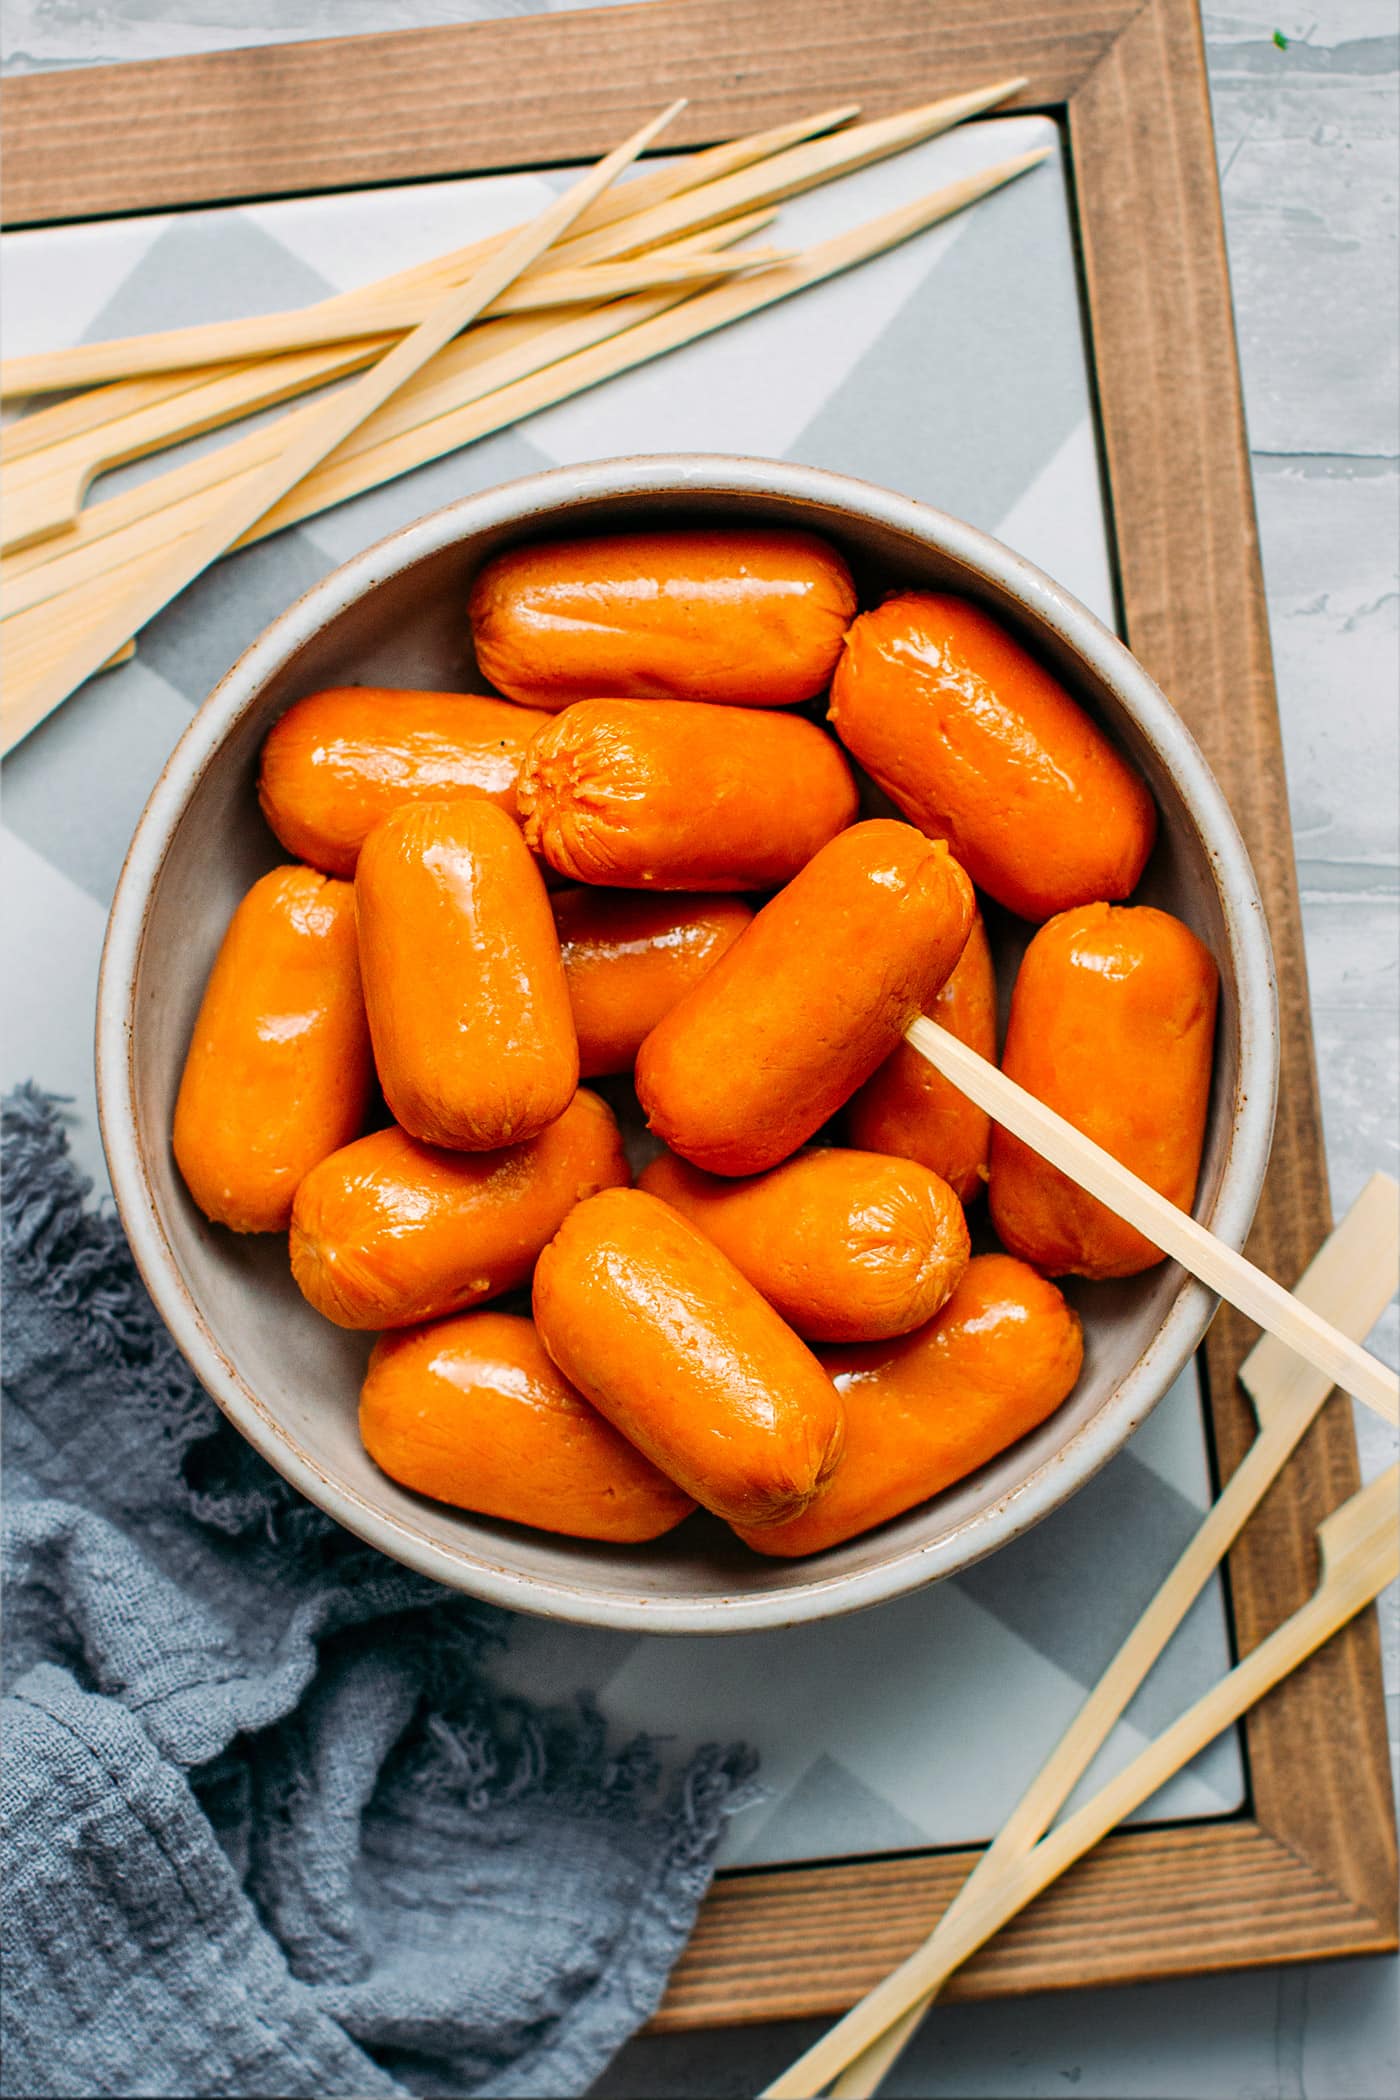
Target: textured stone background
[1308, 160]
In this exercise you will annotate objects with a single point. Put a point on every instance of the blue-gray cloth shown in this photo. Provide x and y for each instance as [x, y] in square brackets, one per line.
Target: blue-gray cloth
[270, 1829]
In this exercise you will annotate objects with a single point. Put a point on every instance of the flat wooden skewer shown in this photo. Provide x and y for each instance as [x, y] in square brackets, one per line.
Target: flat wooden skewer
[61, 420]
[129, 601]
[393, 441]
[116, 529]
[86, 411]
[1360, 1553]
[261, 337]
[1207, 1258]
[1350, 1281]
[473, 363]
[691, 207]
[734, 177]
[44, 500]
[44, 490]
[803, 168]
[349, 314]
[367, 463]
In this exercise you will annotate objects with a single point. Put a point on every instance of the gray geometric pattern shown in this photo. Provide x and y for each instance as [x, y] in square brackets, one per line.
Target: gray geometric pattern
[953, 369]
[1023, 364]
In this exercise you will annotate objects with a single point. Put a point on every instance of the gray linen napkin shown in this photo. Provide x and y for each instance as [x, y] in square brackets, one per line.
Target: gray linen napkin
[270, 1829]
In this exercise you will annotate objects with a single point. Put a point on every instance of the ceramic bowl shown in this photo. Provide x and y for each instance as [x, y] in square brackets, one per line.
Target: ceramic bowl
[289, 1380]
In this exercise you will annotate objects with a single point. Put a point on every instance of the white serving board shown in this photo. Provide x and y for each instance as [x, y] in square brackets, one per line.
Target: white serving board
[954, 370]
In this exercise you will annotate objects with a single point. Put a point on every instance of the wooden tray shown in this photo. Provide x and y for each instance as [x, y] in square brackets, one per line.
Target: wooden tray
[1309, 1868]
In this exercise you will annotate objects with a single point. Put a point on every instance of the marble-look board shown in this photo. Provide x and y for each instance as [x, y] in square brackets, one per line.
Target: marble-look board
[954, 369]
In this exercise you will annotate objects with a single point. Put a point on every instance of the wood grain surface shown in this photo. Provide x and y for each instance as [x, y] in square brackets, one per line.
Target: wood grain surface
[1310, 1869]
[527, 92]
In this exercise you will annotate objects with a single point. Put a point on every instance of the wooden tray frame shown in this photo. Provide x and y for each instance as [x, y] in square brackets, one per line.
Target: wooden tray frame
[1309, 1868]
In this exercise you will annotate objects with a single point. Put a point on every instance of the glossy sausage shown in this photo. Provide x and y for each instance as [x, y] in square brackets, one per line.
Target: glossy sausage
[629, 958]
[651, 794]
[468, 1008]
[978, 744]
[661, 1332]
[847, 1246]
[808, 1002]
[925, 1411]
[340, 760]
[278, 1069]
[1112, 1022]
[914, 1112]
[749, 618]
[471, 1411]
[387, 1232]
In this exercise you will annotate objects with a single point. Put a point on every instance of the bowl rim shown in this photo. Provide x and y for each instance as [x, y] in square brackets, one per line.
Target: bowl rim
[523, 503]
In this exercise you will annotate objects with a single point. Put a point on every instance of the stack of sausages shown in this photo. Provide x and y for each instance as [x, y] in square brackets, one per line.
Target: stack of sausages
[648, 858]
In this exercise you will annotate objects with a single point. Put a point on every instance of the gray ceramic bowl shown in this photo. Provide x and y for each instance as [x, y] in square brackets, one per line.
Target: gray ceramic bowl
[289, 1381]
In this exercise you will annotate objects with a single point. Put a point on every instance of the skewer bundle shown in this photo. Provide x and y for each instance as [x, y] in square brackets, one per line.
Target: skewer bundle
[446, 352]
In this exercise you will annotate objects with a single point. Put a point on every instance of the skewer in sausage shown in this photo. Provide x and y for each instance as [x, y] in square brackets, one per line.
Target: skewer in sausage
[909, 1109]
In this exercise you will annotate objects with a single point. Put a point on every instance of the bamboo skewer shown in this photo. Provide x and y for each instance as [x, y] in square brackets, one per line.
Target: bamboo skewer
[803, 168]
[1207, 1258]
[109, 532]
[473, 363]
[125, 603]
[770, 169]
[127, 395]
[369, 462]
[378, 452]
[45, 501]
[786, 173]
[1350, 1281]
[348, 314]
[61, 420]
[265, 336]
[44, 491]
[1360, 1552]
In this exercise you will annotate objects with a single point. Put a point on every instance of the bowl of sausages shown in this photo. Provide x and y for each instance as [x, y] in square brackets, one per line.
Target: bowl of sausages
[501, 1061]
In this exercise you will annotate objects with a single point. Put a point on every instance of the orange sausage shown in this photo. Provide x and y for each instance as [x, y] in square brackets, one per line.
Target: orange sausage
[658, 1329]
[387, 1231]
[340, 760]
[278, 1070]
[651, 794]
[468, 1008]
[748, 618]
[1112, 1022]
[847, 1246]
[978, 744]
[629, 958]
[808, 1001]
[1000, 1357]
[914, 1112]
[472, 1412]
